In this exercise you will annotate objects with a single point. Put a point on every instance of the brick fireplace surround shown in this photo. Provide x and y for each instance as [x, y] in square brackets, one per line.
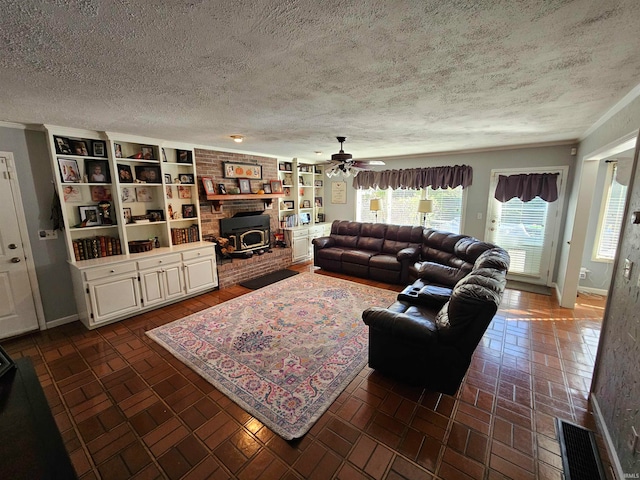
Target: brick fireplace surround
[209, 164]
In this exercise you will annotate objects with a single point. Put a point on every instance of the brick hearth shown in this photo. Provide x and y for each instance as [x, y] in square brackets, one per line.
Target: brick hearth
[240, 269]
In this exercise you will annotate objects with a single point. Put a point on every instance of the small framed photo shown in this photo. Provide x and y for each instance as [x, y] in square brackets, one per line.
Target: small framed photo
[207, 184]
[184, 156]
[99, 148]
[164, 156]
[155, 215]
[124, 173]
[318, 202]
[147, 153]
[317, 183]
[266, 187]
[100, 193]
[288, 166]
[281, 167]
[97, 171]
[148, 174]
[168, 191]
[186, 178]
[276, 186]
[222, 190]
[188, 210]
[126, 214]
[289, 204]
[89, 216]
[118, 150]
[79, 147]
[6, 364]
[62, 145]
[245, 185]
[321, 217]
[128, 194]
[72, 193]
[167, 178]
[144, 194]
[69, 172]
[184, 192]
[306, 204]
[288, 179]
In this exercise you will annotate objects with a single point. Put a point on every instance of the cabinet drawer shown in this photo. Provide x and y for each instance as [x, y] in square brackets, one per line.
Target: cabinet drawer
[109, 271]
[303, 232]
[201, 252]
[316, 232]
[158, 261]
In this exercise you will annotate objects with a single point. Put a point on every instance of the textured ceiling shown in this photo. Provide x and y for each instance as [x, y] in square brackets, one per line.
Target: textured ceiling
[395, 77]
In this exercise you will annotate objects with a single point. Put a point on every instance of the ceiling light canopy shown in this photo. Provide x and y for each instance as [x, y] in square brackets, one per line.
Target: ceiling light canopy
[237, 138]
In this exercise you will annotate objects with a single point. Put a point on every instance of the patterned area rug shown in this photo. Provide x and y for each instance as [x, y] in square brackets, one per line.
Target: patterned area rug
[283, 353]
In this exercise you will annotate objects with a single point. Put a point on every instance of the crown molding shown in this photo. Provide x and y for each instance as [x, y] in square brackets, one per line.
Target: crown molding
[625, 101]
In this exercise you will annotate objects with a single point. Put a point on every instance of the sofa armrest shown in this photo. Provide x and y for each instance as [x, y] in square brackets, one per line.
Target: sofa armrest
[323, 242]
[401, 326]
[408, 253]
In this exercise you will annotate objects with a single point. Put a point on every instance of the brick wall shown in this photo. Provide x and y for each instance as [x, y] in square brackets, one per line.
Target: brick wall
[209, 163]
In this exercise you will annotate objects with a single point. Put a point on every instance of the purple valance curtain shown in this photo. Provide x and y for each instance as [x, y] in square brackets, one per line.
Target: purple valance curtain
[527, 187]
[416, 178]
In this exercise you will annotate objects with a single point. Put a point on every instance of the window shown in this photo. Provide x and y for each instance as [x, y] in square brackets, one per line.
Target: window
[400, 207]
[610, 221]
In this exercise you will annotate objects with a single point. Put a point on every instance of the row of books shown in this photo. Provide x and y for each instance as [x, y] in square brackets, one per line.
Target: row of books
[96, 247]
[185, 235]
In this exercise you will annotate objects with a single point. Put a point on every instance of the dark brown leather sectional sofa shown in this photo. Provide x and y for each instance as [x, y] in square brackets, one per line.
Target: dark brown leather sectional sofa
[427, 337]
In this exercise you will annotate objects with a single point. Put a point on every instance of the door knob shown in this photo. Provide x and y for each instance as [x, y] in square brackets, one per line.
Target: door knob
[15, 260]
[12, 246]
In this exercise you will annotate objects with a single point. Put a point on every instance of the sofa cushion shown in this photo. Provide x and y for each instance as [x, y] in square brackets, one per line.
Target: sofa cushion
[469, 248]
[399, 237]
[345, 234]
[386, 262]
[359, 257]
[332, 253]
[494, 258]
[372, 236]
[441, 274]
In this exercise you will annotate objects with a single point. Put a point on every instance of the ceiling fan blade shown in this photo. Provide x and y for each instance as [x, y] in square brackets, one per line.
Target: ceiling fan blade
[365, 164]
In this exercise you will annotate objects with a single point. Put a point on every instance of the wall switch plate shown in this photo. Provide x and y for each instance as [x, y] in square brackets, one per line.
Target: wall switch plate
[47, 234]
[628, 265]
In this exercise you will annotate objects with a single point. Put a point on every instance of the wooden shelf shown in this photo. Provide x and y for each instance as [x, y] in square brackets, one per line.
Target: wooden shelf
[218, 200]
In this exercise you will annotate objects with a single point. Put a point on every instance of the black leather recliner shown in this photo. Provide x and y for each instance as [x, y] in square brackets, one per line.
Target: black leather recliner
[427, 337]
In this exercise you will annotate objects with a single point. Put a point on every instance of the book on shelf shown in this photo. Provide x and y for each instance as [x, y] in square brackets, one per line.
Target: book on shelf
[185, 235]
[96, 247]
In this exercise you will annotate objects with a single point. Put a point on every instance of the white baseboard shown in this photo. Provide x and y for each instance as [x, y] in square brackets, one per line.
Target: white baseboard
[596, 291]
[608, 441]
[61, 321]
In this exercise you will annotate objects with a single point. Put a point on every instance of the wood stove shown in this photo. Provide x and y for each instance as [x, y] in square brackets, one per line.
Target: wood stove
[247, 232]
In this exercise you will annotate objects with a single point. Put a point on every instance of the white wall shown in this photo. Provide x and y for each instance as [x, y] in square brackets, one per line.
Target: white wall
[50, 257]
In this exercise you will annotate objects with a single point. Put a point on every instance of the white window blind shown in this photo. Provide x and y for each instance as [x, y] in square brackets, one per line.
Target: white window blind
[400, 207]
[521, 231]
[611, 212]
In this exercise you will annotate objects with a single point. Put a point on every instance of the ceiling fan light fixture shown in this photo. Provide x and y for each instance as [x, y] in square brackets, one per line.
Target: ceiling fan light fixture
[237, 138]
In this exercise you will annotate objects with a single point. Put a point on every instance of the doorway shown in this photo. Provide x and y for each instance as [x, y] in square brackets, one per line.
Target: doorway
[527, 230]
[17, 272]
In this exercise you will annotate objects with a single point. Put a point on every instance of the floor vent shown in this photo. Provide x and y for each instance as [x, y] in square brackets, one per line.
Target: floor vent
[579, 451]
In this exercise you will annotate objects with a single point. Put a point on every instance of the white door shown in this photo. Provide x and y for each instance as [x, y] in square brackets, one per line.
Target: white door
[17, 308]
[526, 230]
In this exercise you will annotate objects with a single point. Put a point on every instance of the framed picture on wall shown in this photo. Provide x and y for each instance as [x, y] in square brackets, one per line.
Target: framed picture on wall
[188, 210]
[242, 170]
[245, 185]
[207, 184]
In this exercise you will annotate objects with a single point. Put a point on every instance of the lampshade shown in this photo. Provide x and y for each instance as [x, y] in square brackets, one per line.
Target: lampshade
[375, 205]
[425, 206]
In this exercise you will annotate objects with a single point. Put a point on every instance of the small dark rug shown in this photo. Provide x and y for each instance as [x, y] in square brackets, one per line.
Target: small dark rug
[529, 287]
[268, 279]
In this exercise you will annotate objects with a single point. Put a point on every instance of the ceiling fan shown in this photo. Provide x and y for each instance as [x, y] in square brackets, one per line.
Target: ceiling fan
[343, 163]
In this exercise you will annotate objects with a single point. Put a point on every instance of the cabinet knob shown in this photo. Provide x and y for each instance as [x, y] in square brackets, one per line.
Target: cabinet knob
[12, 246]
[15, 260]
[113, 271]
